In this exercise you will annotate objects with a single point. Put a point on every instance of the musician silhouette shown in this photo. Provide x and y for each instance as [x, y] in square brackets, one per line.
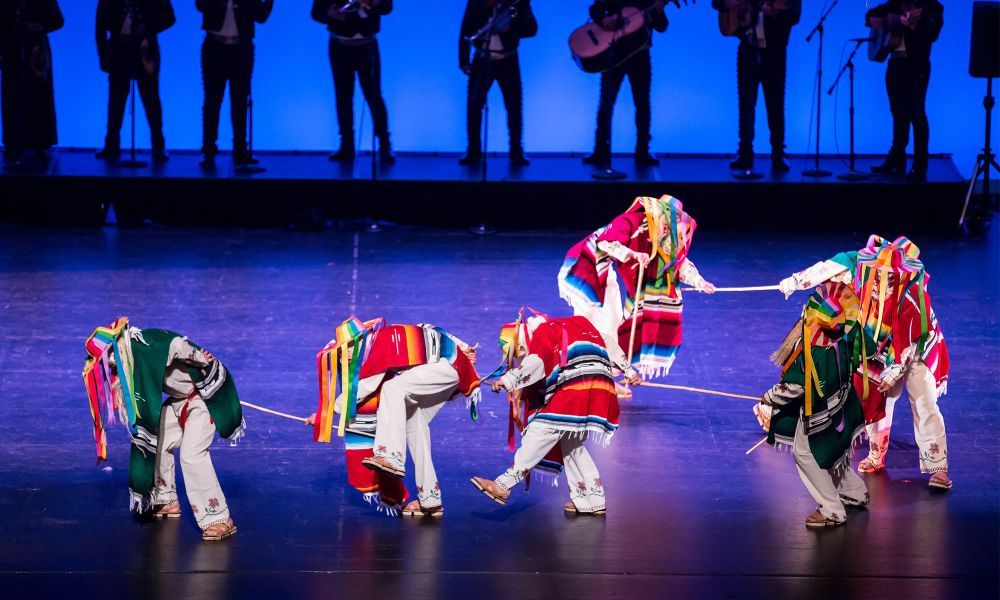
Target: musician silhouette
[638, 69]
[493, 29]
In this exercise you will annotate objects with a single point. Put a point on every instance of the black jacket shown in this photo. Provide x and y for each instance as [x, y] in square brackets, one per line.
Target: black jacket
[353, 23]
[919, 39]
[13, 13]
[777, 28]
[479, 12]
[154, 15]
[605, 8]
[247, 12]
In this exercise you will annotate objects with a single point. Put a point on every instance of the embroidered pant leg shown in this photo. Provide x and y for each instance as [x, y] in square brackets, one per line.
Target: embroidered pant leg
[878, 432]
[928, 423]
[168, 439]
[535, 444]
[438, 384]
[819, 482]
[585, 487]
[203, 490]
[850, 486]
[421, 386]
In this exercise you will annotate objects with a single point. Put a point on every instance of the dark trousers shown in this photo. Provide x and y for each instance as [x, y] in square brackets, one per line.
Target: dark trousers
[640, 74]
[221, 63]
[507, 73]
[363, 59]
[761, 68]
[26, 97]
[130, 61]
[906, 82]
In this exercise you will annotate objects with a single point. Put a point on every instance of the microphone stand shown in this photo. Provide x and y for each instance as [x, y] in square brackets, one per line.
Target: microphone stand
[852, 174]
[816, 171]
[251, 166]
[132, 162]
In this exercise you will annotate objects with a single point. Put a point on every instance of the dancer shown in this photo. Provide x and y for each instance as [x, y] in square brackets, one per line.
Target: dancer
[815, 409]
[127, 372]
[393, 380]
[896, 308]
[29, 113]
[558, 375]
[650, 241]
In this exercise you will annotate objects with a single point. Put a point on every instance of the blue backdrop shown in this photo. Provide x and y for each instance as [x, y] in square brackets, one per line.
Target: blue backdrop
[694, 83]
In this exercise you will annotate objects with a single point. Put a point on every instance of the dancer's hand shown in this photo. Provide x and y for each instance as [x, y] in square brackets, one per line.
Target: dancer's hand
[208, 356]
[497, 385]
[632, 378]
[787, 286]
[470, 353]
[311, 419]
[642, 258]
[708, 287]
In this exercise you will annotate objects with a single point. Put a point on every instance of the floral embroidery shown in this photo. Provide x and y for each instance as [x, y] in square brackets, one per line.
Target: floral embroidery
[434, 494]
[380, 450]
[213, 503]
[581, 486]
[194, 509]
[597, 482]
[935, 448]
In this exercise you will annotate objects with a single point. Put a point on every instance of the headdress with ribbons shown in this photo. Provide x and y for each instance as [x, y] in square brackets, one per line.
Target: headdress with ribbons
[885, 270]
[670, 232]
[107, 375]
[339, 365]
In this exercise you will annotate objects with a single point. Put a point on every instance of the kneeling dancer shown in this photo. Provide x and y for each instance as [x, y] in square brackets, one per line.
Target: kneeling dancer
[393, 380]
[561, 394]
[128, 371]
[815, 408]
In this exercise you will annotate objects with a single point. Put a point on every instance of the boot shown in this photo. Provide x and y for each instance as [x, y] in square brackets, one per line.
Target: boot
[472, 156]
[344, 154]
[517, 157]
[894, 165]
[385, 153]
[111, 150]
[778, 163]
[644, 159]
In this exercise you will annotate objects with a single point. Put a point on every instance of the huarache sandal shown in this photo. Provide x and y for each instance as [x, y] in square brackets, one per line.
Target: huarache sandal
[940, 481]
[377, 463]
[870, 466]
[492, 490]
[414, 509]
[168, 511]
[219, 531]
[818, 520]
[571, 508]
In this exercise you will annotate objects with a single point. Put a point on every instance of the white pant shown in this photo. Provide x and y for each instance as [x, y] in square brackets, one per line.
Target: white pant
[585, 487]
[408, 403]
[194, 439]
[830, 488]
[928, 423]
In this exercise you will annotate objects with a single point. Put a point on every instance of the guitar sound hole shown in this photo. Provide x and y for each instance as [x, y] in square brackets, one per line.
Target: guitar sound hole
[593, 38]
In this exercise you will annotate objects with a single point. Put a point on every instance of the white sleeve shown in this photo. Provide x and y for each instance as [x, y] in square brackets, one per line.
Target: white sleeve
[824, 270]
[781, 394]
[689, 274]
[183, 350]
[615, 353]
[616, 250]
[532, 370]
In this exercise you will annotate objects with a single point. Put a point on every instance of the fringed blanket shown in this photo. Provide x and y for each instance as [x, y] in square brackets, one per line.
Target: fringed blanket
[578, 394]
[362, 350]
[655, 227]
[137, 398]
[817, 381]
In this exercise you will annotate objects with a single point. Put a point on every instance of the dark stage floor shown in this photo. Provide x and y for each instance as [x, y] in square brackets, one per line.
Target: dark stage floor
[555, 190]
[689, 514]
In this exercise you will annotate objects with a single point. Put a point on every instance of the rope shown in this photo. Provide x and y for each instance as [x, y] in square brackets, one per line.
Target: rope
[752, 288]
[685, 388]
[273, 412]
[755, 446]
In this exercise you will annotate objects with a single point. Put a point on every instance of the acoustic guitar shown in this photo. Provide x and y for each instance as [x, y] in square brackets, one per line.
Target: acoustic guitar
[882, 42]
[596, 49]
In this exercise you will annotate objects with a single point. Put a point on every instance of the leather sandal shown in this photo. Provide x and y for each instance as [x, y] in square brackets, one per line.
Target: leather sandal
[219, 531]
[168, 511]
[940, 480]
[414, 509]
[492, 490]
[870, 466]
[571, 508]
[818, 520]
[378, 463]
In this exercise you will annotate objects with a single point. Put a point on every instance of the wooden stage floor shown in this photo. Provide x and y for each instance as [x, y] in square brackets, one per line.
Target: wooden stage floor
[689, 515]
